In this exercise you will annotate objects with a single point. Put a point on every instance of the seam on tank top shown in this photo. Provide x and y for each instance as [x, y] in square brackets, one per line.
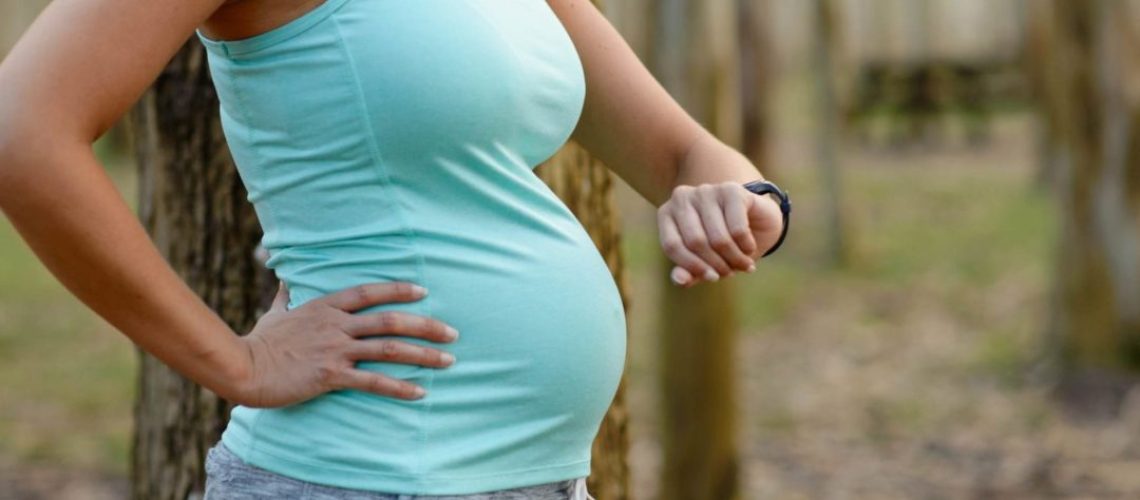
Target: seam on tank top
[402, 212]
[244, 110]
[253, 45]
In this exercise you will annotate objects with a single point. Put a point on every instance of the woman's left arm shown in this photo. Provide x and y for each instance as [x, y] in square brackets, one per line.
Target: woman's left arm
[708, 223]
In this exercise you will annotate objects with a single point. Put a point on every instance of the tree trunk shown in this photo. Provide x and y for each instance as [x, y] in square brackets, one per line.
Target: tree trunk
[1038, 40]
[194, 206]
[696, 57]
[755, 65]
[1096, 106]
[827, 116]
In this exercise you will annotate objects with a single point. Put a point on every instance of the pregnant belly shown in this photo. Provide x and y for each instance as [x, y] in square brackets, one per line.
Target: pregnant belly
[541, 350]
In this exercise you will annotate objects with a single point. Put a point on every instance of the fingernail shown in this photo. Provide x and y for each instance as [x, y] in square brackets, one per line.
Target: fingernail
[448, 358]
[421, 291]
[751, 267]
[673, 277]
[711, 275]
[452, 333]
[419, 392]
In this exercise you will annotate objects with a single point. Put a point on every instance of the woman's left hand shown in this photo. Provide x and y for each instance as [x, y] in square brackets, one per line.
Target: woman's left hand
[712, 230]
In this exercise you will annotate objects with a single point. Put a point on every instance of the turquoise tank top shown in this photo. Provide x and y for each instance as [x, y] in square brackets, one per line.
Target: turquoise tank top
[394, 140]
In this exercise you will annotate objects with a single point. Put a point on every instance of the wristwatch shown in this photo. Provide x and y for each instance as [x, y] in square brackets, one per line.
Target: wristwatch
[766, 187]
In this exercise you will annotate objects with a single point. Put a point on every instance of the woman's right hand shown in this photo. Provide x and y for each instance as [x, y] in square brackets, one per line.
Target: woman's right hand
[300, 353]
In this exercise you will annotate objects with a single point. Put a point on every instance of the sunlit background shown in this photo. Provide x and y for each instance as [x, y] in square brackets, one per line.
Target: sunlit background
[933, 327]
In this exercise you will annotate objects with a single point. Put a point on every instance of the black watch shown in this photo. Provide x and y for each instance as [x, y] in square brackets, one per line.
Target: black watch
[766, 187]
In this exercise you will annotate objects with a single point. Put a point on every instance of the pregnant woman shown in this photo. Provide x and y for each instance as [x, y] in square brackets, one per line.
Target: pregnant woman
[385, 145]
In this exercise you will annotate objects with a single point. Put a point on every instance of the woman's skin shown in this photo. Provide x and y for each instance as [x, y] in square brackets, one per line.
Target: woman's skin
[83, 63]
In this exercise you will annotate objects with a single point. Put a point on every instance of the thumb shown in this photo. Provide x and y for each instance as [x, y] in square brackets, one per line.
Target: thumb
[281, 299]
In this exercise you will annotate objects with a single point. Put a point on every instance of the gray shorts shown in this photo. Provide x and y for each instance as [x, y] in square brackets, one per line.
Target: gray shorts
[230, 478]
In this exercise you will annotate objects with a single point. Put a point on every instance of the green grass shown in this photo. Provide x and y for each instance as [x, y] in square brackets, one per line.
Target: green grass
[66, 376]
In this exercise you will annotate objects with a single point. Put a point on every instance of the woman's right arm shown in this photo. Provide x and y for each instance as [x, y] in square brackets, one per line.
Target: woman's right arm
[76, 70]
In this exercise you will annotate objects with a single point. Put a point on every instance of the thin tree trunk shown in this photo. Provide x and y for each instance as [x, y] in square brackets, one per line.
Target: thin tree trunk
[696, 57]
[194, 206]
[1096, 111]
[1039, 37]
[827, 116]
[755, 66]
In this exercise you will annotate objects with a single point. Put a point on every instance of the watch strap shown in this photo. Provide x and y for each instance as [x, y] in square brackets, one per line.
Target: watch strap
[762, 187]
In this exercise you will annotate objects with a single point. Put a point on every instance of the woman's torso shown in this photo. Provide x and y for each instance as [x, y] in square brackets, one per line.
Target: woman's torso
[394, 140]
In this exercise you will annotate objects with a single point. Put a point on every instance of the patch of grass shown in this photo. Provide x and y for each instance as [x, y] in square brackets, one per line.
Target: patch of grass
[67, 378]
[966, 228]
[1002, 357]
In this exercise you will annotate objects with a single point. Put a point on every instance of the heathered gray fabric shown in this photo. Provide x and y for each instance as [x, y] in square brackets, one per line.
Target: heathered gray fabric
[229, 478]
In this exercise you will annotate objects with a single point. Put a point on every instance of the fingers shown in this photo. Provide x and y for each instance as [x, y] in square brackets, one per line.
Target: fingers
[693, 233]
[399, 323]
[713, 225]
[736, 203]
[361, 296]
[377, 383]
[677, 252]
[711, 209]
[397, 351]
[680, 275]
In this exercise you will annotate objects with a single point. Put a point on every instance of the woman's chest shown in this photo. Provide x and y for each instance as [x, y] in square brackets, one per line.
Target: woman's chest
[426, 77]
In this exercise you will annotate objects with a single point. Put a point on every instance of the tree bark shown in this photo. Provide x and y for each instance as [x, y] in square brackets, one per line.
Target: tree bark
[755, 68]
[194, 206]
[696, 57]
[1095, 114]
[827, 125]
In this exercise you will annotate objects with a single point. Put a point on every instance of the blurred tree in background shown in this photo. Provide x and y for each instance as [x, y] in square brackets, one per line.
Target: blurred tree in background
[827, 22]
[1090, 100]
[194, 206]
[696, 54]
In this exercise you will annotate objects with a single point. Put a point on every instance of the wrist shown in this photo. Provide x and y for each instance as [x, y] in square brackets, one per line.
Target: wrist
[769, 190]
[707, 160]
[235, 372]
